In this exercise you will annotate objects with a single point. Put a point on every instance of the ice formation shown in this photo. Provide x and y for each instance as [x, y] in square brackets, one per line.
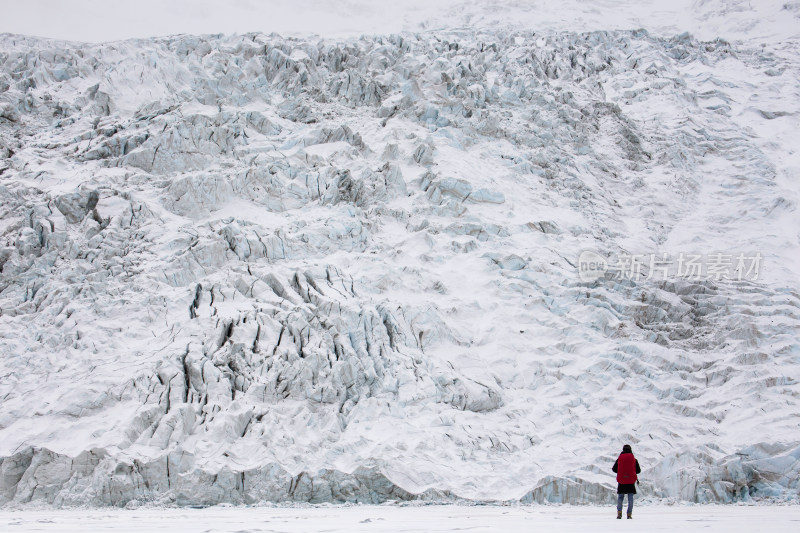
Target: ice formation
[254, 268]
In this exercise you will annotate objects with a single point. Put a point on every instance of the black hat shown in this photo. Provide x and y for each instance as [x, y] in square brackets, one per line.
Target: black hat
[627, 449]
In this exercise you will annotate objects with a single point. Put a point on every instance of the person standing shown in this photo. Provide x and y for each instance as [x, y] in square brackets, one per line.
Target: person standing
[626, 467]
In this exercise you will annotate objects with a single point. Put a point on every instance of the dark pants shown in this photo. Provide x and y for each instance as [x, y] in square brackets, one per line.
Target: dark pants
[620, 498]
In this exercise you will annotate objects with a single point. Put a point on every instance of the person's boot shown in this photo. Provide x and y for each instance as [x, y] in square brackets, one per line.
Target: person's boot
[619, 515]
[630, 515]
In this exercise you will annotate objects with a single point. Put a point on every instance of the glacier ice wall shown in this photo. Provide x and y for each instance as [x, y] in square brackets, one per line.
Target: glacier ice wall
[251, 268]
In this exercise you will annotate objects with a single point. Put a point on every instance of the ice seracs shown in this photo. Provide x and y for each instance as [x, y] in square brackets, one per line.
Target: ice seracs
[251, 268]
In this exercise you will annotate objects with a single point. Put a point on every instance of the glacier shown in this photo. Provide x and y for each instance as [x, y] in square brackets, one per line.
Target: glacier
[254, 268]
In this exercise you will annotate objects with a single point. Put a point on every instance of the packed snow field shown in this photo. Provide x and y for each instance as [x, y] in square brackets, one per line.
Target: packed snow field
[425, 519]
[243, 269]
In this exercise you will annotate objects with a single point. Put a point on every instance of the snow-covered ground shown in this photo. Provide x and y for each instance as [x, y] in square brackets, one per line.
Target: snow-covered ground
[413, 519]
[252, 268]
[82, 20]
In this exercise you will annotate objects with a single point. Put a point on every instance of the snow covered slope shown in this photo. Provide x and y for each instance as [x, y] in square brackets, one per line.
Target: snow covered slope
[750, 20]
[252, 268]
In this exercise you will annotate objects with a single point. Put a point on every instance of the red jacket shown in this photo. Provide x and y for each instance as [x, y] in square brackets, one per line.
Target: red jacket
[626, 469]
